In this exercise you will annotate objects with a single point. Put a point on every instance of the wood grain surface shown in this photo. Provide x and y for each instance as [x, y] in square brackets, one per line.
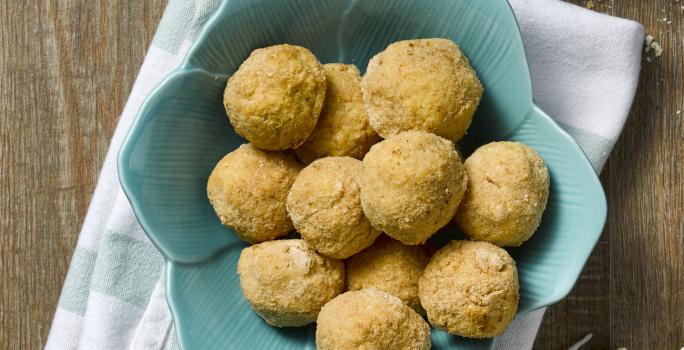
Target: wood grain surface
[67, 67]
[631, 293]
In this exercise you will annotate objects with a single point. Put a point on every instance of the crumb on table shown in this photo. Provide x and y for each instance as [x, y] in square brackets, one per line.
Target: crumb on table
[652, 44]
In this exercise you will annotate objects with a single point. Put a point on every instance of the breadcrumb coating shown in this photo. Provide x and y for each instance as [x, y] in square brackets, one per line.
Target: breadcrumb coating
[411, 186]
[470, 289]
[389, 266]
[370, 319]
[274, 98]
[325, 206]
[421, 84]
[248, 190]
[508, 187]
[287, 282]
[343, 128]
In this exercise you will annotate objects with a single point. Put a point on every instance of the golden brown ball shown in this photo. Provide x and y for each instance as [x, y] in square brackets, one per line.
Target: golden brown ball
[421, 84]
[287, 282]
[389, 266]
[508, 186]
[343, 128]
[370, 319]
[325, 206]
[248, 190]
[274, 98]
[470, 289]
[411, 186]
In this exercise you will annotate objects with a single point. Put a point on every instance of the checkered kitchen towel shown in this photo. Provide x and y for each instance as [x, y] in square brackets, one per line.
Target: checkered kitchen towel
[584, 67]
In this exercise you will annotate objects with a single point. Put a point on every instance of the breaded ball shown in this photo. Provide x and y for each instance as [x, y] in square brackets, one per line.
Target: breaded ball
[248, 190]
[370, 319]
[287, 282]
[508, 186]
[389, 266]
[343, 128]
[411, 186]
[470, 289]
[422, 84]
[274, 98]
[325, 206]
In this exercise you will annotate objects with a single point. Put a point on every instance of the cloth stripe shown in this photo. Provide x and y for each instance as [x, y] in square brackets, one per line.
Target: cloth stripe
[126, 269]
[77, 283]
[174, 29]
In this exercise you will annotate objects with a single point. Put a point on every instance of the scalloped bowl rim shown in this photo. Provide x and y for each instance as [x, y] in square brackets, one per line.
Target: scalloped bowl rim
[186, 68]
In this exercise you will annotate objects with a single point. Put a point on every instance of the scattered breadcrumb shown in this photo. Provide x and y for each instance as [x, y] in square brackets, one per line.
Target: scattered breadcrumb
[648, 59]
[657, 49]
[651, 43]
[589, 4]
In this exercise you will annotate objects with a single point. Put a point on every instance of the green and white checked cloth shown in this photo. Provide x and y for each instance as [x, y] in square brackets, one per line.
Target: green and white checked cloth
[585, 68]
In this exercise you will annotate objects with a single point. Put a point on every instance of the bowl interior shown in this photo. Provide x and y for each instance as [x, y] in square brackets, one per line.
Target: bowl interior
[182, 131]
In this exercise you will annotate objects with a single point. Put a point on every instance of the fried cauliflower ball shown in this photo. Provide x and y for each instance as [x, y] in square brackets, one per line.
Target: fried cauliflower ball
[508, 186]
[343, 128]
[370, 319]
[389, 266]
[248, 190]
[325, 206]
[274, 98]
[411, 186]
[287, 282]
[421, 84]
[470, 289]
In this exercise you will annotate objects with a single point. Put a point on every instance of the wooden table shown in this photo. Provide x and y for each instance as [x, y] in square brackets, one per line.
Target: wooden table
[67, 67]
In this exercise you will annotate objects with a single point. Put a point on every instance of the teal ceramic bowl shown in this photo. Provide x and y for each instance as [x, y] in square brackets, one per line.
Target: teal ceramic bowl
[182, 131]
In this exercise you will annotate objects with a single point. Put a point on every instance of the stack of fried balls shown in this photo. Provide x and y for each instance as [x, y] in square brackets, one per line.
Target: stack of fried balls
[365, 169]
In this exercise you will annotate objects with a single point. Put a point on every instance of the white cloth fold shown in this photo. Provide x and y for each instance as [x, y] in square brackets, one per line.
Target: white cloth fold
[584, 67]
